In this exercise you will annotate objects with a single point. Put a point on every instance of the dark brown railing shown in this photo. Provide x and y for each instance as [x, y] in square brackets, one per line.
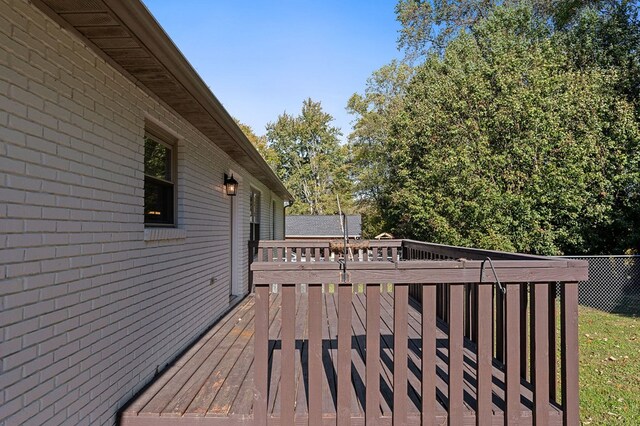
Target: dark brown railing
[501, 304]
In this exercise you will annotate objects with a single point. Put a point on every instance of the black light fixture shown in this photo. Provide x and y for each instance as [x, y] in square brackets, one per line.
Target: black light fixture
[230, 185]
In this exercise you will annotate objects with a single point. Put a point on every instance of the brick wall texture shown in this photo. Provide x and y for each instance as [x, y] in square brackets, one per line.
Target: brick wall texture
[89, 306]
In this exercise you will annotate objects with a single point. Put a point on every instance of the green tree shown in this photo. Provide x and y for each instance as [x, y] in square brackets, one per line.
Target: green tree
[503, 144]
[260, 142]
[310, 160]
[608, 37]
[429, 26]
[382, 99]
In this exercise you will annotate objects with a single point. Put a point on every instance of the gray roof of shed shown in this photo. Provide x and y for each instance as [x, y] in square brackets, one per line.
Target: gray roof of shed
[321, 226]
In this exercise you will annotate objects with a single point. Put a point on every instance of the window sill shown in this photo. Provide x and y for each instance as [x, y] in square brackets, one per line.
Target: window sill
[158, 234]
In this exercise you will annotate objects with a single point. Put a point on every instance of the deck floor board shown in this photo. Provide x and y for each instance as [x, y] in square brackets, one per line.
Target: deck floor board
[212, 382]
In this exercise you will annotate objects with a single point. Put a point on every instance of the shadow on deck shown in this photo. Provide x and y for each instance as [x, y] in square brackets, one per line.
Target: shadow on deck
[212, 383]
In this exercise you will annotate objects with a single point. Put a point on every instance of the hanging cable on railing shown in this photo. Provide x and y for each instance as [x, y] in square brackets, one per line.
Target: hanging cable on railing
[500, 286]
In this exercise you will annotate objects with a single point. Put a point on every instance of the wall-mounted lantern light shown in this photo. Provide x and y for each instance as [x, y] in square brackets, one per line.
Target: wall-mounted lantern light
[230, 185]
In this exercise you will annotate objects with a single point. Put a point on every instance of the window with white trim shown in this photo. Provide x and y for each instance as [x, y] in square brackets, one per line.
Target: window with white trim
[159, 182]
[254, 215]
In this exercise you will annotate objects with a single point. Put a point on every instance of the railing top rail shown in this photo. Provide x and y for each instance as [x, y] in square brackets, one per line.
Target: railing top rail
[325, 243]
[598, 256]
[471, 253]
[421, 271]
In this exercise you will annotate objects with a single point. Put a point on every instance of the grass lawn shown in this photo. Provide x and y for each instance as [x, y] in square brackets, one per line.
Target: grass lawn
[609, 368]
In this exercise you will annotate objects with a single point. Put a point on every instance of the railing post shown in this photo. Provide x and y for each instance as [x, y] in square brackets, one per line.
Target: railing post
[429, 337]
[456, 331]
[485, 342]
[261, 361]
[373, 355]
[569, 343]
[540, 350]
[512, 353]
[288, 348]
[343, 411]
[315, 354]
[400, 346]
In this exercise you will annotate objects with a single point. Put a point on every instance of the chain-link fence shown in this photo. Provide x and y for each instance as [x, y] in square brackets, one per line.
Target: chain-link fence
[614, 284]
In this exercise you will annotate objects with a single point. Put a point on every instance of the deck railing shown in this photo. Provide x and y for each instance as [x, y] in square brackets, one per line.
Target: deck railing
[501, 305]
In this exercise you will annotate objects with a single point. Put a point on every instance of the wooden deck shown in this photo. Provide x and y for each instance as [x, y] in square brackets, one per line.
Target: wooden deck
[212, 383]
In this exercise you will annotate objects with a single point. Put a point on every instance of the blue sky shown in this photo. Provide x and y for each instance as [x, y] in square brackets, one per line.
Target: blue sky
[261, 58]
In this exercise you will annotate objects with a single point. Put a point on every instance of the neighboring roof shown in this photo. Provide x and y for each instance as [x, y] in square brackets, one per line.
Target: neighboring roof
[321, 226]
[126, 35]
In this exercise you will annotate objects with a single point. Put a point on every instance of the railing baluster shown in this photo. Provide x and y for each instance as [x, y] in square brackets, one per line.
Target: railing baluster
[343, 412]
[440, 297]
[315, 354]
[485, 341]
[400, 345]
[553, 369]
[467, 311]
[261, 355]
[429, 337]
[512, 355]
[569, 345]
[456, 294]
[524, 289]
[373, 355]
[474, 313]
[553, 347]
[499, 325]
[288, 342]
[540, 350]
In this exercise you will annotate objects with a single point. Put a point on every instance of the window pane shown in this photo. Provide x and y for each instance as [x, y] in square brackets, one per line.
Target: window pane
[157, 159]
[158, 201]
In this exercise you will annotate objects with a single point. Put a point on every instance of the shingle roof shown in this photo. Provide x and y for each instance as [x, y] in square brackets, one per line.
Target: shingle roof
[321, 226]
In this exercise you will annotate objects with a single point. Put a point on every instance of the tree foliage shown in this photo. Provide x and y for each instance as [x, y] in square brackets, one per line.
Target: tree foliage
[260, 142]
[518, 131]
[429, 26]
[310, 160]
[382, 99]
[608, 37]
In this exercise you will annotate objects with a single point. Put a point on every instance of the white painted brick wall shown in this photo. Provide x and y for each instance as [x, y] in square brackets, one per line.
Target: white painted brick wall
[88, 308]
